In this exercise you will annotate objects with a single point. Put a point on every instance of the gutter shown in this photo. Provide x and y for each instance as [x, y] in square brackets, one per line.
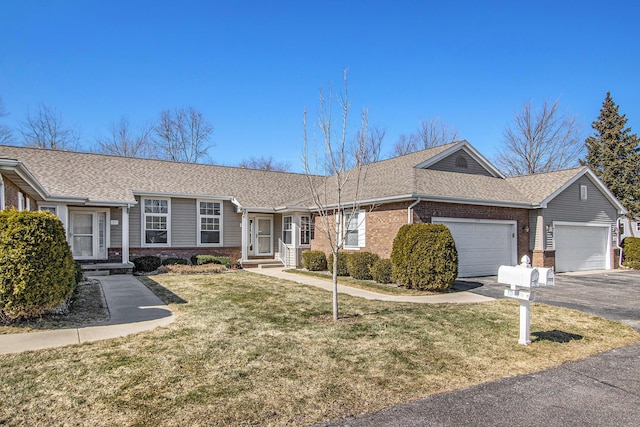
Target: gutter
[410, 210]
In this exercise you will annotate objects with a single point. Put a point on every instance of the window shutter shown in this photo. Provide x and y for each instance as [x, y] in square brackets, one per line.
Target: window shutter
[361, 229]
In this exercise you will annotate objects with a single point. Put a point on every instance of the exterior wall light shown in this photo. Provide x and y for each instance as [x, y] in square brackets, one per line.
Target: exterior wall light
[549, 228]
[525, 228]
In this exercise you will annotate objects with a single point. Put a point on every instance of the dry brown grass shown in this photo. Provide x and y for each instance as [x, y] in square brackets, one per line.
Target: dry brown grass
[195, 269]
[246, 349]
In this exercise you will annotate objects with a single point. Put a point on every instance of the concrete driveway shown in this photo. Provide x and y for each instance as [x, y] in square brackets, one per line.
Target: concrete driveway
[612, 294]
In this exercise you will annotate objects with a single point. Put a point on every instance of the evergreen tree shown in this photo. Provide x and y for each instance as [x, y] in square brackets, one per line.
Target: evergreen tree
[613, 155]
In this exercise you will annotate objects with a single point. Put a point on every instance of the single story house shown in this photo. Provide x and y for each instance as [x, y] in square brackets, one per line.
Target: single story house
[116, 209]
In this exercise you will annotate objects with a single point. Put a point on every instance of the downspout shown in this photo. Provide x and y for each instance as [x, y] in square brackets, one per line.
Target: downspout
[618, 241]
[410, 210]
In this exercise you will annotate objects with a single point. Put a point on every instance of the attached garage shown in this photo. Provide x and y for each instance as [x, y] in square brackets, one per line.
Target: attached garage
[581, 247]
[483, 245]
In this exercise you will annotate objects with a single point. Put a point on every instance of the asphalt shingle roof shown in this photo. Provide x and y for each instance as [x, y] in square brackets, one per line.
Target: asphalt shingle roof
[104, 178]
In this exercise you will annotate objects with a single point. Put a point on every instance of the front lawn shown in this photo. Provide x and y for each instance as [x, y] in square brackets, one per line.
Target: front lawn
[246, 349]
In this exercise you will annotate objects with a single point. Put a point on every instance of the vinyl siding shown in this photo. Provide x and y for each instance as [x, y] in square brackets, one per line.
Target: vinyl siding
[448, 164]
[567, 206]
[135, 225]
[116, 230]
[231, 225]
[184, 220]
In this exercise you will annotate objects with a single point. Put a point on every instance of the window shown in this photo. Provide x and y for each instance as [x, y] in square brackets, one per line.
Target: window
[155, 221]
[27, 203]
[583, 192]
[354, 224]
[306, 230]
[637, 226]
[50, 209]
[210, 223]
[20, 201]
[621, 229]
[287, 230]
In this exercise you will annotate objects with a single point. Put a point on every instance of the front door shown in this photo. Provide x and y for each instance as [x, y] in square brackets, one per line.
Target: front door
[88, 234]
[261, 236]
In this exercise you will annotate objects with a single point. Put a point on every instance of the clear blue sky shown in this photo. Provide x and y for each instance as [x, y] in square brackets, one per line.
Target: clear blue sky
[253, 66]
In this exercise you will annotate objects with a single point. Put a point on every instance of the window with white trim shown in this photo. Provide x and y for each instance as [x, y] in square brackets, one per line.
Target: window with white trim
[155, 222]
[20, 201]
[583, 192]
[306, 228]
[287, 230]
[209, 223]
[354, 223]
[637, 226]
[27, 203]
[50, 209]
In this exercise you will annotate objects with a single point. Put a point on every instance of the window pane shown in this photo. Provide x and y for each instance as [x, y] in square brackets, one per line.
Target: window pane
[209, 237]
[351, 238]
[152, 236]
[210, 208]
[209, 224]
[82, 246]
[155, 222]
[305, 230]
[286, 236]
[82, 223]
[156, 206]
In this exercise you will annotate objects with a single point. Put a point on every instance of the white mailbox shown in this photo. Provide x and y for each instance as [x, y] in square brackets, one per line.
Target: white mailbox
[546, 277]
[521, 277]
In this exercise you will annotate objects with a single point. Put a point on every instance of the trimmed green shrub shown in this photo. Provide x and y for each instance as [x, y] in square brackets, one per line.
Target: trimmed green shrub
[359, 264]
[146, 264]
[343, 269]
[211, 259]
[174, 261]
[381, 271]
[424, 257]
[631, 252]
[314, 260]
[38, 272]
[194, 259]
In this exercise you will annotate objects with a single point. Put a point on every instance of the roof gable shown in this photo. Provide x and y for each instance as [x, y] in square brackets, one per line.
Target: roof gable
[447, 159]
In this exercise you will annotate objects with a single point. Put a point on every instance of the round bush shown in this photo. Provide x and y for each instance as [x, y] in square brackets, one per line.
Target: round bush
[146, 264]
[314, 260]
[424, 257]
[343, 270]
[381, 271]
[359, 265]
[38, 272]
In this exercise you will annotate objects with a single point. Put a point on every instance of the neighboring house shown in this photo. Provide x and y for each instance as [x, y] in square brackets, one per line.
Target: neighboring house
[116, 209]
[628, 227]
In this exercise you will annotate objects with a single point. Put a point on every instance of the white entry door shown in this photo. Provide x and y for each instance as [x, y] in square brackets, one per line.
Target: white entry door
[483, 245]
[88, 234]
[261, 236]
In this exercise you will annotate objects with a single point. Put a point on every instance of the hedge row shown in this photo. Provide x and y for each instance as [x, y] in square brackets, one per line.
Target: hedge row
[631, 252]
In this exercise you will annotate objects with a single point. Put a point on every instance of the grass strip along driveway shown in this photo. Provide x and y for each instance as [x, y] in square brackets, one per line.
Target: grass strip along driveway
[247, 349]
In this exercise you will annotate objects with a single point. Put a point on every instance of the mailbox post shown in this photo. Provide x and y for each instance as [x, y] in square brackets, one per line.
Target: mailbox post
[522, 281]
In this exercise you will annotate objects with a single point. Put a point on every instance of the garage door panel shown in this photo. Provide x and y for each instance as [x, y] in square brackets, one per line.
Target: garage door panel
[482, 246]
[580, 247]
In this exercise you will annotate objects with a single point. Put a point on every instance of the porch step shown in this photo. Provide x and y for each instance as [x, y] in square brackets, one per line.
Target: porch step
[106, 268]
[262, 263]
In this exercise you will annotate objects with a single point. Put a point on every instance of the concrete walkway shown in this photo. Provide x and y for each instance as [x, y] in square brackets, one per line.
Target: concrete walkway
[132, 307]
[452, 297]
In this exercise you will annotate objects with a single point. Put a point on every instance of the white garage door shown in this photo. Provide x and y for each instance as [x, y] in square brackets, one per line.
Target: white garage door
[482, 245]
[580, 247]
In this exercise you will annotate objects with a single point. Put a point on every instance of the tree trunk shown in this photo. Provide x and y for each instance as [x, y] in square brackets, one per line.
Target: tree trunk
[335, 285]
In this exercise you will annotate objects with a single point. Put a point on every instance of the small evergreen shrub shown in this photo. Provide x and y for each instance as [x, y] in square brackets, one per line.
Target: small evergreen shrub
[78, 272]
[631, 252]
[194, 259]
[359, 264]
[343, 269]
[424, 257]
[146, 264]
[37, 270]
[381, 271]
[174, 261]
[314, 260]
[211, 259]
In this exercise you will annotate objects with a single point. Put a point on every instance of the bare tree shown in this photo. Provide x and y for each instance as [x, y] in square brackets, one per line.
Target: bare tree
[6, 136]
[265, 163]
[45, 129]
[183, 135]
[336, 171]
[540, 141]
[430, 133]
[123, 141]
[369, 141]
